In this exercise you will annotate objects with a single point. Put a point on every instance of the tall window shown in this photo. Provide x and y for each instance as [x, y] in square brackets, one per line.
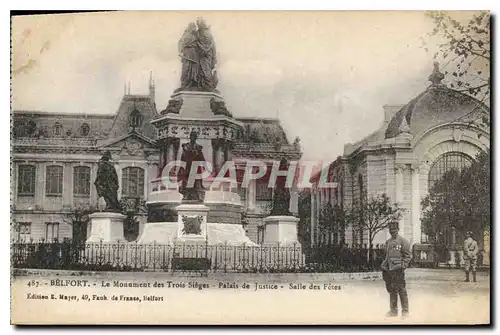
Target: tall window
[51, 231]
[133, 182]
[24, 231]
[361, 207]
[54, 180]
[135, 118]
[81, 181]
[242, 192]
[446, 162]
[84, 129]
[31, 128]
[26, 180]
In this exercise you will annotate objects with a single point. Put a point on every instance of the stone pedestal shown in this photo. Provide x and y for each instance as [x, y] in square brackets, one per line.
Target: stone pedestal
[225, 206]
[280, 229]
[159, 233]
[106, 227]
[192, 222]
[196, 103]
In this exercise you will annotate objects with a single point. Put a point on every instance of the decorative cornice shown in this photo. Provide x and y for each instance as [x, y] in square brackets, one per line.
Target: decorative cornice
[205, 129]
[176, 119]
[54, 149]
[460, 125]
[266, 155]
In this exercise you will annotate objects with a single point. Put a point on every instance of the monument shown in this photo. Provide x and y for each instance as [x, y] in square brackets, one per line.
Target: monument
[195, 128]
[107, 226]
[191, 213]
[281, 225]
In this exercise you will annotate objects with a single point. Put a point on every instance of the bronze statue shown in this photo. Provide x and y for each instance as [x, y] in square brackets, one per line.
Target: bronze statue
[191, 152]
[197, 51]
[174, 106]
[219, 108]
[281, 198]
[106, 183]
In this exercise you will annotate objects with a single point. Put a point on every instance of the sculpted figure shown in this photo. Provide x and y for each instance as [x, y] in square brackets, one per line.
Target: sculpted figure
[174, 106]
[191, 152]
[106, 183]
[190, 57]
[208, 60]
[219, 108]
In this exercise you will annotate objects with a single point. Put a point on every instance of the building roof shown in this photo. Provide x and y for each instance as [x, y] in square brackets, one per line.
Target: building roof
[141, 103]
[260, 137]
[44, 124]
[263, 130]
[438, 104]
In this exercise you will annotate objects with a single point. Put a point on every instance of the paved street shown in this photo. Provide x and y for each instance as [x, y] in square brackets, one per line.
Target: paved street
[436, 296]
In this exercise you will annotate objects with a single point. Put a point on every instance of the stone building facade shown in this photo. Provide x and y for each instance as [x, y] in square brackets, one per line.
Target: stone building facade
[417, 143]
[55, 158]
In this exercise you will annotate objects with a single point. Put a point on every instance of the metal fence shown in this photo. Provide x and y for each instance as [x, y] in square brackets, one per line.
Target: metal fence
[218, 258]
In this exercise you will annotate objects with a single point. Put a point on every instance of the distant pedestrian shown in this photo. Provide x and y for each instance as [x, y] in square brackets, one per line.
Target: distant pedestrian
[470, 256]
[397, 259]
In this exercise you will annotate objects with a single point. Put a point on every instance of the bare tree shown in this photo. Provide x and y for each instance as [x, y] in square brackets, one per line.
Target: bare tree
[373, 215]
[78, 218]
[464, 49]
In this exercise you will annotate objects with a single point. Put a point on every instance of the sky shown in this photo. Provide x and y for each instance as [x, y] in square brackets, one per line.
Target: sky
[326, 75]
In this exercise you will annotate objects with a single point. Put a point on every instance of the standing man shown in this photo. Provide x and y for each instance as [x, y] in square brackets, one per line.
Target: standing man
[470, 256]
[397, 259]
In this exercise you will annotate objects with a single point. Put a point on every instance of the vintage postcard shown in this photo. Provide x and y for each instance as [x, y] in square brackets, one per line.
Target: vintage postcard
[251, 168]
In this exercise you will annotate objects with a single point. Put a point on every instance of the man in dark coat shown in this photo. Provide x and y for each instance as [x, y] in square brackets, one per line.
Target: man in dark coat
[397, 259]
[106, 183]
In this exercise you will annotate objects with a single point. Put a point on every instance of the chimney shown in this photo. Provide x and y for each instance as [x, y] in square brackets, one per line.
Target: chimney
[151, 87]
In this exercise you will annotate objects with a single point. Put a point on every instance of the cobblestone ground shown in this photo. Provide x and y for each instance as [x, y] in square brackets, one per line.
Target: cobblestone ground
[436, 296]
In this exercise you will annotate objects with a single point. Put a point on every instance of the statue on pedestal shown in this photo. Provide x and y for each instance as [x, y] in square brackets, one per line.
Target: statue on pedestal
[106, 183]
[191, 152]
[197, 51]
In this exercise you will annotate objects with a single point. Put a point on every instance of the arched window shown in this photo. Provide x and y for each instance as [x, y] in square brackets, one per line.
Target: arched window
[135, 118]
[26, 180]
[31, 128]
[446, 162]
[133, 182]
[84, 129]
[54, 180]
[81, 181]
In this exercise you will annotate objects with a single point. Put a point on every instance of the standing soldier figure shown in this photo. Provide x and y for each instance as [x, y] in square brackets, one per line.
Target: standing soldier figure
[397, 259]
[470, 256]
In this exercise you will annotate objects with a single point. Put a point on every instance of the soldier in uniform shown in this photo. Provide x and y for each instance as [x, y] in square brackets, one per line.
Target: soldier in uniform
[470, 256]
[397, 259]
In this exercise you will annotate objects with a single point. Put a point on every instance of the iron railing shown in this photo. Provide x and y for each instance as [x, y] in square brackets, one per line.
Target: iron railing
[220, 258]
